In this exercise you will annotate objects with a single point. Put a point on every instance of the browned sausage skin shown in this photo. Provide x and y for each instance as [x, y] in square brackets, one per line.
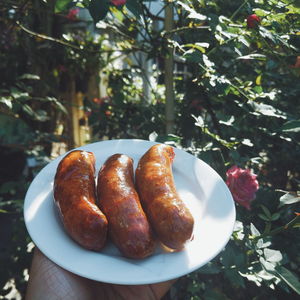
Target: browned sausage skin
[75, 196]
[168, 215]
[128, 225]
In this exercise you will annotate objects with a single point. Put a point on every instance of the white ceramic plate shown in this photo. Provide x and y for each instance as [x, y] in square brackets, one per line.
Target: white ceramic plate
[201, 188]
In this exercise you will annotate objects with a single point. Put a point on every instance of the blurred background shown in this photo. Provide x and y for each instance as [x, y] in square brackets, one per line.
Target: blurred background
[219, 79]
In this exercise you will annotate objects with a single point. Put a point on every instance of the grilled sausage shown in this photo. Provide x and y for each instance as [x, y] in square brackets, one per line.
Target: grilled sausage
[128, 226]
[75, 196]
[168, 215]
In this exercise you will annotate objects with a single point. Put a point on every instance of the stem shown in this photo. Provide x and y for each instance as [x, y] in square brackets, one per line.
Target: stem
[279, 229]
[225, 42]
[49, 38]
[267, 228]
[45, 37]
[184, 28]
[238, 9]
[156, 17]
[139, 31]
[146, 24]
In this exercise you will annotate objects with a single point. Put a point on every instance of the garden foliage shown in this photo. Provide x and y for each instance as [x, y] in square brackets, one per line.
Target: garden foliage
[236, 86]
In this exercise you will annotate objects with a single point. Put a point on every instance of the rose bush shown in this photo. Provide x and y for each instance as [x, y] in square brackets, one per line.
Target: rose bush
[243, 185]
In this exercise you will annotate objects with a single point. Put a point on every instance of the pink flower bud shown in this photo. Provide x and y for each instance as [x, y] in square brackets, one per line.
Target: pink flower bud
[243, 185]
[118, 2]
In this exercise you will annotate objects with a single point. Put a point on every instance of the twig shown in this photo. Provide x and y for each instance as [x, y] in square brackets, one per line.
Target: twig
[61, 42]
[279, 229]
[49, 38]
[184, 28]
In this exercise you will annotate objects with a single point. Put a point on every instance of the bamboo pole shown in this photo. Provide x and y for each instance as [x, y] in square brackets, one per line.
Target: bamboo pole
[169, 80]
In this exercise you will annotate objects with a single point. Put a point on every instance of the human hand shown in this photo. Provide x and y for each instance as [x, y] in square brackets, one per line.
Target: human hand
[48, 281]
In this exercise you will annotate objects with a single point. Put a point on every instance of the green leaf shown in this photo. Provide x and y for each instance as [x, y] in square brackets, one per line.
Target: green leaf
[153, 136]
[199, 46]
[192, 12]
[135, 7]
[28, 110]
[199, 121]
[264, 217]
[8, 187]
[98, 9]
[291, 126]
[258, 89]
[228, 120]
[7, 102]
[260, 12]
[273, 256]
[289, 278]
[62, 5]
[265, 33]
[235, 278]
[232, 256]
[210, 268]
[289, 198]
[41, 115]
[17, 94]
[267, 110]
[262, 244]
[169, 139]
[30, 76]
[14, 131]
[266, 211]
[268, 266]
[208, 63]
[253, 56]
[214, 294]
[58, 104]
[193, 56]
[254, 230]
[275, 216]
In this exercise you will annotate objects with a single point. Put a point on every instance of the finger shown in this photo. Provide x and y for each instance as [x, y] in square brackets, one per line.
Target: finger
[161, 288]
[50, 282]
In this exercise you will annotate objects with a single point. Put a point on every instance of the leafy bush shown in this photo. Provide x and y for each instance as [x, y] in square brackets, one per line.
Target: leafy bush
[236, 103]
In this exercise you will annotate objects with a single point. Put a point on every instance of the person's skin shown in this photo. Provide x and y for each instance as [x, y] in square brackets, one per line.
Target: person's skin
[47, 281]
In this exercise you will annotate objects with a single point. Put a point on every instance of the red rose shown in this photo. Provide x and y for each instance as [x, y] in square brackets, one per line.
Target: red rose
[118, 2]
[98, 101]
[242, 184]
[253, 21]
[297, 63]
[73, 14]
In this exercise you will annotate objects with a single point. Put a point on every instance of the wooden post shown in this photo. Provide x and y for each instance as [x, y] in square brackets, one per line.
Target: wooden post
[69, 97]
[169, 80]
